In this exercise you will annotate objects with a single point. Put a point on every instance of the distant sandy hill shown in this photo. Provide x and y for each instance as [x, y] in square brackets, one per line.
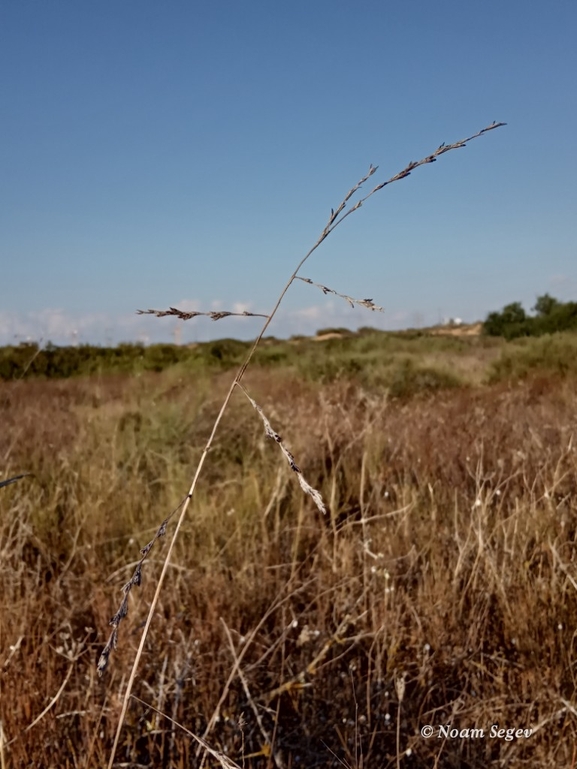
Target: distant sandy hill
[463, 329]
[330, 335]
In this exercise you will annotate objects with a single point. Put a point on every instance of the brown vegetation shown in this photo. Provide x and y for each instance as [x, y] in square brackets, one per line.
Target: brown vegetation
[446, 561]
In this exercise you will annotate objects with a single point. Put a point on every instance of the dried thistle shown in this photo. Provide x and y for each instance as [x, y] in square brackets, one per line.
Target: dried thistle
[183, 315]
[368, 303]
[306, 487]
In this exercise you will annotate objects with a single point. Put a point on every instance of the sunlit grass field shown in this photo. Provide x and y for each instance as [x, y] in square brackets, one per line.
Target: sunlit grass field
[440, 589]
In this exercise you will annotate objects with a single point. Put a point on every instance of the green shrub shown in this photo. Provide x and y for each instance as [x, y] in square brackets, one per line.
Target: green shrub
[552, 354]
[407, 380]
[228, 351]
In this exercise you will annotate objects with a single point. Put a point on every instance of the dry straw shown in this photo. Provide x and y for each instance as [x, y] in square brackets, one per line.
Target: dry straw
[337, 216]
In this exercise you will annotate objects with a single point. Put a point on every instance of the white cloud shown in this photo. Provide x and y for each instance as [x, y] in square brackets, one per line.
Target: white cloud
[62, 327]
[559, 280]
[188, 305]
[242, 307]
[316, 312]
[48, 324]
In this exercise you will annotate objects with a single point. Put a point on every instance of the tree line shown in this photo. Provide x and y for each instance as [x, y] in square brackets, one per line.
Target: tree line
[549, 315]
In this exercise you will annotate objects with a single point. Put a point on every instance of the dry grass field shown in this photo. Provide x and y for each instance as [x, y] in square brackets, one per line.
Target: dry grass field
[440, 588]
[415, 606]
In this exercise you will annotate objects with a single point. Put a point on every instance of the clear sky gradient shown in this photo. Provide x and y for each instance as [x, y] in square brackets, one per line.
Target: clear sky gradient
[188, 154]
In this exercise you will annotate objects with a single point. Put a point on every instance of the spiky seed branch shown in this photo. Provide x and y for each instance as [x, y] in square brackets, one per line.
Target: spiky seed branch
[184, 315]
[306, 487]
[136, 579]
[335, 218]
[368, 303]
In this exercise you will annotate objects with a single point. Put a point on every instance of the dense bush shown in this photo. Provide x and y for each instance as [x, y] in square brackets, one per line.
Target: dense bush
[550, 316]
[556, 355]
[229, 350]
[29, 360]
[408, 380]
[403, 364]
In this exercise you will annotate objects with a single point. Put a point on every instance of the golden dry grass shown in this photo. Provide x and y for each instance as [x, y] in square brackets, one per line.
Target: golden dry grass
[447, 561]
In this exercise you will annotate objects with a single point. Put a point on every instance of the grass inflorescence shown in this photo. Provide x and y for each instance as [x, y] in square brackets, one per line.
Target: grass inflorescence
[336, 218]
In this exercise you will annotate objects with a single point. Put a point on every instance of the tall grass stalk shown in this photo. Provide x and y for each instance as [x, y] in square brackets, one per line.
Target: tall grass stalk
[337, 216]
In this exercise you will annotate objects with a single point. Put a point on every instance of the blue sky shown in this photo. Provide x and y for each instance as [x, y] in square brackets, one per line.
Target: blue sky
[188, 154]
